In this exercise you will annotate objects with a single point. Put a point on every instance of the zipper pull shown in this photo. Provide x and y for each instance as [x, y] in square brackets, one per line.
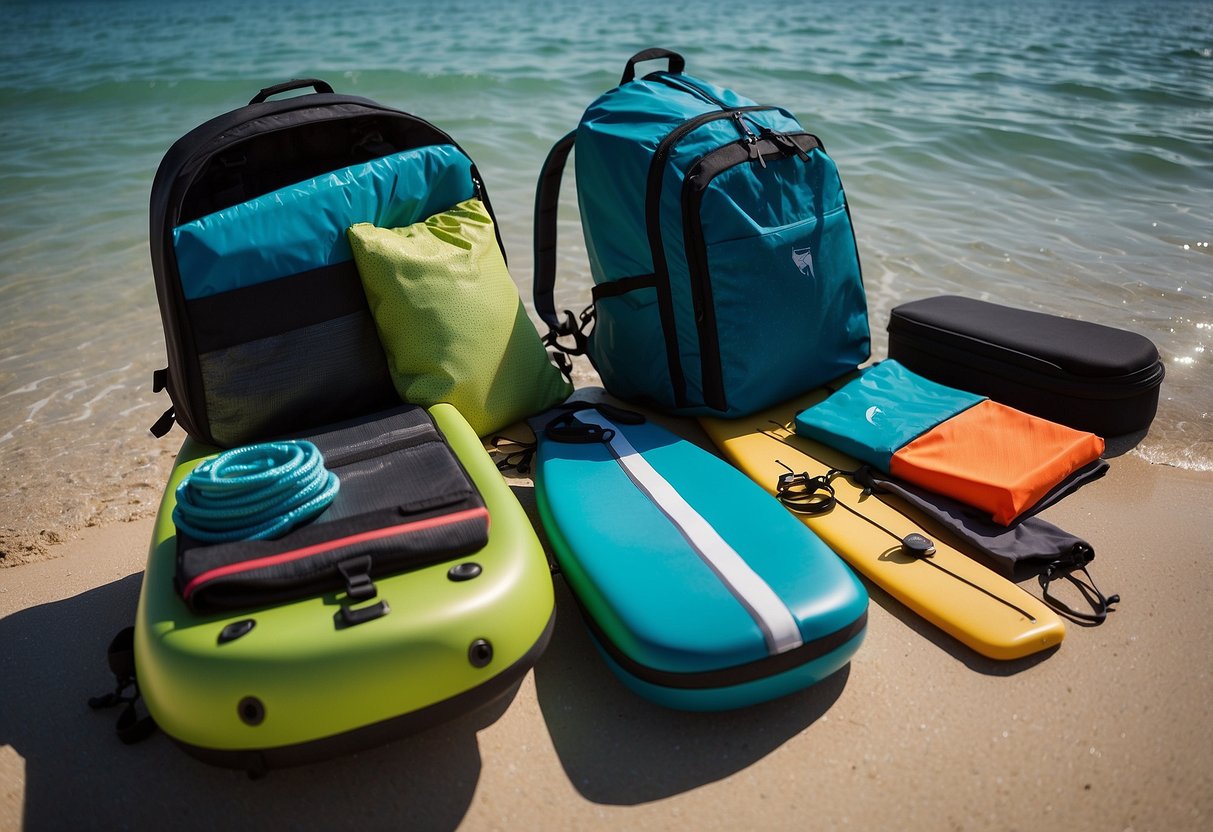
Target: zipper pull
[786, 141]
[746, 133]
[749, 139]
[756, 154]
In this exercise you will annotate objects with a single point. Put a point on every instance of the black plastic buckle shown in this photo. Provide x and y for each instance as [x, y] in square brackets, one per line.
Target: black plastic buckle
[358, 583]
[353, 616]
[567, 328]
[134, 723]
[359, 587]
[568, 428]
[573, 328]
[165, 423]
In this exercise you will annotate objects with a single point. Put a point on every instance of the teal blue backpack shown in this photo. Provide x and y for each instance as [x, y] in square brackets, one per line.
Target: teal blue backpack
[726, 273]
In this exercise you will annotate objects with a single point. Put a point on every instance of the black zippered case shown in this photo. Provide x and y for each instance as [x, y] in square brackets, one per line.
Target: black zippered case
[1086, 375]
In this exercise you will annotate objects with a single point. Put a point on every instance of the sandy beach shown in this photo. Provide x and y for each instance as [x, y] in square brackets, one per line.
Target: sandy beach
[1112, 730]
[1051, 156]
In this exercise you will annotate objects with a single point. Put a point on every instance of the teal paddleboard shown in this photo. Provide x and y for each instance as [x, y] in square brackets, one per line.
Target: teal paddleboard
[700, 589]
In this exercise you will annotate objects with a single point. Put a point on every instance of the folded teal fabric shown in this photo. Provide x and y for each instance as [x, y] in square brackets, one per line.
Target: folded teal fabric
[886, 407]
[301, 227]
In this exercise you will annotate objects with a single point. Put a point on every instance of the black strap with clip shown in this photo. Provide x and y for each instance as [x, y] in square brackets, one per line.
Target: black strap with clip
[1065, 569]
[133, 725]
[566, 427]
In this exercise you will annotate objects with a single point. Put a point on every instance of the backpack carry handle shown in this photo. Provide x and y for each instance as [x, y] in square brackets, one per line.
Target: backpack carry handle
[286, 86]
[677, 62]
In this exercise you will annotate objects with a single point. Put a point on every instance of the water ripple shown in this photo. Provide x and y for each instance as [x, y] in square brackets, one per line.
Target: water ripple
[1051, 156]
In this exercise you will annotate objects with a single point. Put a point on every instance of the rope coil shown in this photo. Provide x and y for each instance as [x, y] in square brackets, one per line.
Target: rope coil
[256, 492]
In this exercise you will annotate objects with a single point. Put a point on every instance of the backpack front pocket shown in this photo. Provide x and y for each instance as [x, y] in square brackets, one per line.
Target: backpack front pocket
[775, 272]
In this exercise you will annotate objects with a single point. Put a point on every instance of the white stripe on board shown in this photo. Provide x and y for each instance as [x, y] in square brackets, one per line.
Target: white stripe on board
[773, 617]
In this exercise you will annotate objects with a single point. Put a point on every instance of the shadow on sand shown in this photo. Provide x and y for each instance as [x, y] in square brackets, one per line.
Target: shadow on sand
[78, 775]
[619, 749]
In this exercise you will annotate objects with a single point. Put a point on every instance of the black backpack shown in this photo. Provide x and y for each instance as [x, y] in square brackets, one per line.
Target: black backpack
[269, 343]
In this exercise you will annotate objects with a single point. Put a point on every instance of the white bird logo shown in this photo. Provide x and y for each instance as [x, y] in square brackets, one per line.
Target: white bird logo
[803, 259]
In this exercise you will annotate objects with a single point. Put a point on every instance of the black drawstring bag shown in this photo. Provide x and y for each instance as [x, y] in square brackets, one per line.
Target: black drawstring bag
[1030, 547]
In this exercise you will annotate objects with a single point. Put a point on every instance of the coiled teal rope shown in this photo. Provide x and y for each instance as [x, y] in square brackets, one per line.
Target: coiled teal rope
[257, 492]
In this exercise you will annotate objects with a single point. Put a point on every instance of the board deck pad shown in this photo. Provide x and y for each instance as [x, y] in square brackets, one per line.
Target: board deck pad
[700, 590]
[297, 685]
[976, 606]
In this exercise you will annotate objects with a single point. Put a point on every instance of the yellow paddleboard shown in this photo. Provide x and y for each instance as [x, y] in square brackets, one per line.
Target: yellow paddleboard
[952, 591]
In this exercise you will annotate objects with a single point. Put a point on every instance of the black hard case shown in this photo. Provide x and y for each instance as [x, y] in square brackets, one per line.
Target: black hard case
[1085, 375]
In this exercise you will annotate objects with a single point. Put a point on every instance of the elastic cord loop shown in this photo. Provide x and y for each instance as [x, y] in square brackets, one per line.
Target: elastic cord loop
[1101, 605]
[804, 494]
[256, 492]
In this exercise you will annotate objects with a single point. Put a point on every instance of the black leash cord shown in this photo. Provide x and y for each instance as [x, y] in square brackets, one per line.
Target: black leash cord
[1100, 604]
[915, 548]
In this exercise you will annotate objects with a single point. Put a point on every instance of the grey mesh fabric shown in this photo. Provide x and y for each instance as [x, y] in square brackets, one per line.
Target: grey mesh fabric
[316, 373]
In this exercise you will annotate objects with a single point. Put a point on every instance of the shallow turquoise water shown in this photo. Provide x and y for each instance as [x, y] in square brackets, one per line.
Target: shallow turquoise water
[1049, 155]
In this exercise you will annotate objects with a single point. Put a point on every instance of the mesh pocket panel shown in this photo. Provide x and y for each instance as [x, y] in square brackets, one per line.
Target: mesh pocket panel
[304, 378]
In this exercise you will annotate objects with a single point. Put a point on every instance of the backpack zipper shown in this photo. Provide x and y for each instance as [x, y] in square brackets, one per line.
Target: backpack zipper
[665, 301]
[680, 82]
[748, 150]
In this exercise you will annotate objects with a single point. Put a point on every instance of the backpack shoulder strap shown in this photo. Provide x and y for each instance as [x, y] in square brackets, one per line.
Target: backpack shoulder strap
[547, 200]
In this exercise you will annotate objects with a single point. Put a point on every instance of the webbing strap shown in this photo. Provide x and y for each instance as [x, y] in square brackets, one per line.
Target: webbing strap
[134, 723]
[770, 613]
[1101, 605]
[547, 201]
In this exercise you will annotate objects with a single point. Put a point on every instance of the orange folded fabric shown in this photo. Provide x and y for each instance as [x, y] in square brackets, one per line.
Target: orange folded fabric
[996, 458]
